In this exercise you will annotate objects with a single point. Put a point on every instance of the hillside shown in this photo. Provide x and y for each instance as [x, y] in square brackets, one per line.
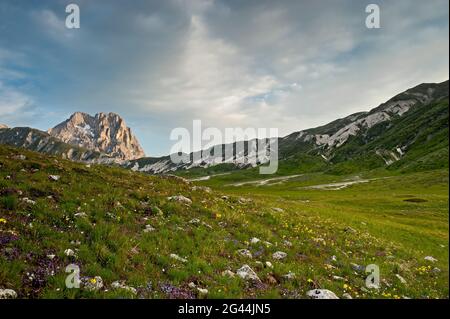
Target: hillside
[40, 141]
[140, 236]
[409, 130]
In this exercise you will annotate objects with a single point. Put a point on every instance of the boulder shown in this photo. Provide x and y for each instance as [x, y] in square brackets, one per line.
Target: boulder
[245, 272]
[321, 294]
[180, 199]
[279, 255]
[7, 294]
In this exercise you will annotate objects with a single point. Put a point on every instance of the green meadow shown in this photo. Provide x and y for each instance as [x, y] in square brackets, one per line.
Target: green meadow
[126, 226]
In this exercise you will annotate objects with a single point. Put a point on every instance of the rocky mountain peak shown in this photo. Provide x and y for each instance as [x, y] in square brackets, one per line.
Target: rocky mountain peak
[104, 132]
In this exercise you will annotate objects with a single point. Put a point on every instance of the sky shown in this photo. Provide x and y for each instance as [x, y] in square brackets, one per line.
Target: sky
[290, 65]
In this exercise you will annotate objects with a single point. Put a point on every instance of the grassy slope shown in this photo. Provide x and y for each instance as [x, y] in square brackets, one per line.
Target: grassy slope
[119, 203]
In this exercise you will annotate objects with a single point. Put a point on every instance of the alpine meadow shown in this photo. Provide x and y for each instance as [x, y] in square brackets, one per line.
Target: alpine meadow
[95, 207]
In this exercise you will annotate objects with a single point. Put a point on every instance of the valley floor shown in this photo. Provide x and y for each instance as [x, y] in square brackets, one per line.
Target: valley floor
[140, 236]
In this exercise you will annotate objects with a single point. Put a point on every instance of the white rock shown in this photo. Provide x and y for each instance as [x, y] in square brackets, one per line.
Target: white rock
[402, 280]
[69, 252]
[245, 272]
[278, 210]
[54, 177]
[149, 228]
[202, 291]
[194, 221]
[430, 258]
[279, 255]
[51, 256]
[228, 273]
[119, 284]
[180, 199]
[321, 294]
[192, 285]
[254, 240]
[176, 257]
[269, 264]
[28, 201]
[436, 270]
[346, 296]
[287, 243]
[338, 278]
[7, 294]
[289, 276]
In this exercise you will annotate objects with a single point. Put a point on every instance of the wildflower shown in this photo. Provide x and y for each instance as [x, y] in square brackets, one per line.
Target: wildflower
[93, 280]
[2, 221]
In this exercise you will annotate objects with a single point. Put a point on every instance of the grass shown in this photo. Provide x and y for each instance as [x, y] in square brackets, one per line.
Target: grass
[101, 212]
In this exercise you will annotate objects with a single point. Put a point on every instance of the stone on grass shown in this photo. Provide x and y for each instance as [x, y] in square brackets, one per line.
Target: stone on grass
[279, 255]
[228, 273]
[149, 228]
[7, 294]
[254, 240]
[402, 280]
[192, 285]
[321, 294]
[180, 199]
[28, 201]
[54, 178]
[120, 284]
[338, 278]
[69, 252]
[289, 276]
[278, 210]
[245, 272]
[202, 291]
[176, 257]
[346, 296]
[269, 264]
[430, 258]
[245, 253]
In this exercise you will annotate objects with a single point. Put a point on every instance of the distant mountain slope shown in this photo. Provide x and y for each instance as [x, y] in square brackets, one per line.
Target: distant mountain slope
[106, 133]
[410, 125]
[40, 141]
[409, 131]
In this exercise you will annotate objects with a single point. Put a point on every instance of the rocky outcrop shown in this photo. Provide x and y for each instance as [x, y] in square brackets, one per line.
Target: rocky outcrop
[40, 141]
[105, 132]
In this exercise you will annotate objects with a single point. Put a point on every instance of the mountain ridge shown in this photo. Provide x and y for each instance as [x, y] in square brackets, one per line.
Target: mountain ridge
[366, 137]
[104, 132]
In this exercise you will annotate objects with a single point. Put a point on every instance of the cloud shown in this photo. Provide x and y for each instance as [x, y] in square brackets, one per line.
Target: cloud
[256, 63]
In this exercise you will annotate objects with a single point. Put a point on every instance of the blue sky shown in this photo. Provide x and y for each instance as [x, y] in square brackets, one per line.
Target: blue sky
[254, 63]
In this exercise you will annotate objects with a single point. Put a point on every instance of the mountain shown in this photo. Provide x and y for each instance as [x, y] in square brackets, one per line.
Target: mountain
[410, 127]
[408, 132]
[105, 133]
[40, 141]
